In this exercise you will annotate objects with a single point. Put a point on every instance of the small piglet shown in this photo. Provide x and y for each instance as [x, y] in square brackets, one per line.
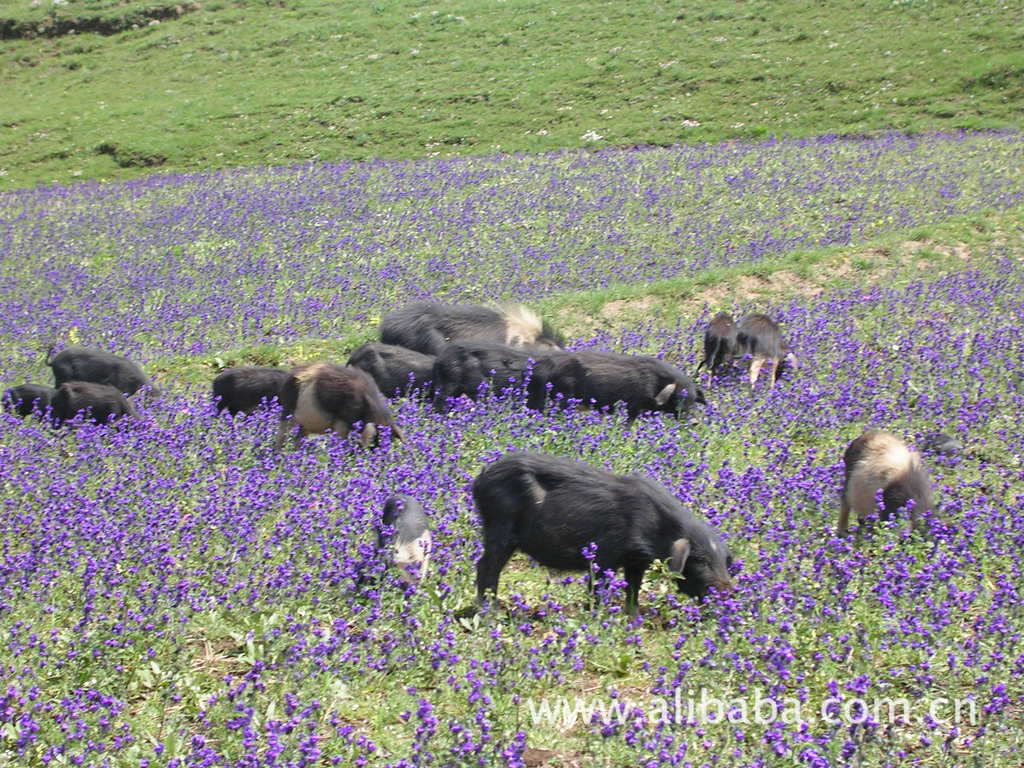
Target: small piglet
[760, 336]
[878, 461]
[242, 389]
[101, 402]
[408, 548]
[719, 342]
[26, 398]
[942, 444]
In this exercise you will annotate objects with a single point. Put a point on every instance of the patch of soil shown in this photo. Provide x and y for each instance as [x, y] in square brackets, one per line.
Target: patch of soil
[58, 26]
[868, 267]
[910, 248]
[533, 757]
[783, 281]
[613, 310]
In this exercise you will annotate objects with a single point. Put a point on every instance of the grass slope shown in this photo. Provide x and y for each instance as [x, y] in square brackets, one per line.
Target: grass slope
[234, 84]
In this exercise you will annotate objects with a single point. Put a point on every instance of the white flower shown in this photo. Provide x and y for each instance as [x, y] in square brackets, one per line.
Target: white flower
[691, 123]
[591, 136]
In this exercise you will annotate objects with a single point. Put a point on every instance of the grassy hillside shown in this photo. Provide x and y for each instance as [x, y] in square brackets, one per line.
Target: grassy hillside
[244, 83]
[173, 593]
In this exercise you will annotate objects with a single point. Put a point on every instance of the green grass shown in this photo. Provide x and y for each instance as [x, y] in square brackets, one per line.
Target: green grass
[245, 83]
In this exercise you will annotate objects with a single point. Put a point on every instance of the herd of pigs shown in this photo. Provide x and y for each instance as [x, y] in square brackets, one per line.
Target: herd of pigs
[553, 509]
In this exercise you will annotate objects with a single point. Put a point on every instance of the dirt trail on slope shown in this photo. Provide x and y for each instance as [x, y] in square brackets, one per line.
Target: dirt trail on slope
[903, 262]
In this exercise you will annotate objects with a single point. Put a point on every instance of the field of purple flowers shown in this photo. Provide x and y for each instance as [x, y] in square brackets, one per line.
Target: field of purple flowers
[182, 265]
[174, 594]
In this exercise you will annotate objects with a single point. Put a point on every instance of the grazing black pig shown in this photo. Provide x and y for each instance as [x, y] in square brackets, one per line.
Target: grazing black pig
[878, 461]
[101, 402]
[324, 397]
[551, 508]
[428, 326]
[395, 369]
[719, 342]
[463, 366]
[243, 389]
[26, 398]
[408, 548]
[602, 379]
[759, 336]
[99, 367]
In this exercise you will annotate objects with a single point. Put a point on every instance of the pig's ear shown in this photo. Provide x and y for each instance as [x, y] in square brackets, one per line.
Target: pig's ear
[662, 397]
[680, 552]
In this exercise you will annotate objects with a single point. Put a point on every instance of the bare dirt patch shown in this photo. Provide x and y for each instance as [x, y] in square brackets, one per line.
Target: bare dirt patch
[613, 310]
[866, 267]
[57, 26]
[533, 757]
[911, 248]
[783, 281]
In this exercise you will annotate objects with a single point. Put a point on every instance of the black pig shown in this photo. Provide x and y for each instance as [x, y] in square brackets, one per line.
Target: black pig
[602, 379]
[395, 369]
[428, 326]
[242, 389]
[102, 402]
[26, 398]
[462, 367]
[324, 397]
[719, 342]
[551, 508]
[99, 367]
